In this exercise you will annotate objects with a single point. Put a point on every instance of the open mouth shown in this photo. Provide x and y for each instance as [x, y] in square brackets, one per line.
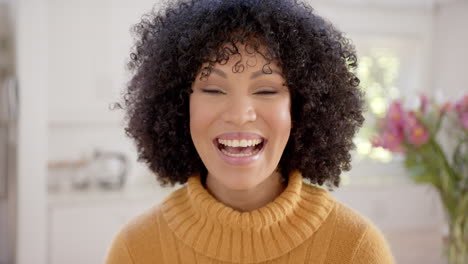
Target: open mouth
[240, 148]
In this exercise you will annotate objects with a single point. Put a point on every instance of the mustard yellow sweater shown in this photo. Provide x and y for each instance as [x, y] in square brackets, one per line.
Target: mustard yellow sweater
[302, 225]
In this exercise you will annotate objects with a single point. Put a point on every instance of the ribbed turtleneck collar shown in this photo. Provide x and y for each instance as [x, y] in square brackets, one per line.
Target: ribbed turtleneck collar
[220, 232]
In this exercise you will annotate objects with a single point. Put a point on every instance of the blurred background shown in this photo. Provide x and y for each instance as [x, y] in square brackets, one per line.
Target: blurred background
[69, 178]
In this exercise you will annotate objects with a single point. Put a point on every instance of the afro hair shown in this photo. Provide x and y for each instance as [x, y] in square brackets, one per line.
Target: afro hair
[316, 59]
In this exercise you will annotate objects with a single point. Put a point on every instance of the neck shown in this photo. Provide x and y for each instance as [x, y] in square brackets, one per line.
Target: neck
[250, 199]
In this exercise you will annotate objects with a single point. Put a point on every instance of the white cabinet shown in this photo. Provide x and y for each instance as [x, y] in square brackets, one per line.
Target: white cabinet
[81, 229]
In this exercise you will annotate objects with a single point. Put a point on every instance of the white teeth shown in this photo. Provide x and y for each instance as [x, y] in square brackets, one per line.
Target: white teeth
[240, 154]
[240, 143]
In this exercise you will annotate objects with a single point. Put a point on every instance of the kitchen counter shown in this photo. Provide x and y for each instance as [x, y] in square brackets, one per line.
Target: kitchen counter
[93, 196]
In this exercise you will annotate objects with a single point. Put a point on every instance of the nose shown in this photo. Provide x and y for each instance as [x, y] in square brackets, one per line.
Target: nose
[240, 111]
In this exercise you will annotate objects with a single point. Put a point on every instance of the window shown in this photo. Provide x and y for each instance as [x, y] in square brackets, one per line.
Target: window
[389, 68]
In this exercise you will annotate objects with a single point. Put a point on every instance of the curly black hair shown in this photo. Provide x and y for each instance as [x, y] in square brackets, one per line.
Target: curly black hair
[316, 59]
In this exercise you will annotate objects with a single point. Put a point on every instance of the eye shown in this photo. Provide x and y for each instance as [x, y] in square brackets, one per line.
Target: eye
[212, 91]
[266, 92]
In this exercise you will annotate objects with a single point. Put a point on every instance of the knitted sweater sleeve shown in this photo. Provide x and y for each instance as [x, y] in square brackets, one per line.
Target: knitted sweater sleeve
[372, 248]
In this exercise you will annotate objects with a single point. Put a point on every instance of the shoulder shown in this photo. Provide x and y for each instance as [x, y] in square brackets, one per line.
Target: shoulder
[344, 219]
[142, 224]
[135, 239]
[348, 221]
[367, 242]
[140, 238]
[150, 220]
[353, 235]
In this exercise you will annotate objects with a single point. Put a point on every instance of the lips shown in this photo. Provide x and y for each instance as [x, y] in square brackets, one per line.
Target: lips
[239, 143]
[239, 155]
[239, 136]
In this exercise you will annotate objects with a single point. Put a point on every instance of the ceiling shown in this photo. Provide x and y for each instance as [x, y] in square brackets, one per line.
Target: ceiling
[392, 3]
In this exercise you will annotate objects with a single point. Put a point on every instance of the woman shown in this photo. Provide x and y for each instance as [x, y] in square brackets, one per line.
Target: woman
[243, 100]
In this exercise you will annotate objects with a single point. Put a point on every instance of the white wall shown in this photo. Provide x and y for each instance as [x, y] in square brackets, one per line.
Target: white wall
[3, 231]
[450, 76]
[89, 43]
[32, 138]
[5, 24]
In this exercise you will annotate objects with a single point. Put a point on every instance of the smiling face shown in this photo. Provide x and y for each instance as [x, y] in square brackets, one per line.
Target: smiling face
[240, 122]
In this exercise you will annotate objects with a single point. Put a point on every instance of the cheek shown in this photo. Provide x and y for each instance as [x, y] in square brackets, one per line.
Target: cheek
[196, 116]
[284, 116]
[280, 117]
[200, 117]
[277, 117]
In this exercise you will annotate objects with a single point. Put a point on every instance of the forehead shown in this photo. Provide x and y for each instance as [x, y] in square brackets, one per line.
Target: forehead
[242, 59]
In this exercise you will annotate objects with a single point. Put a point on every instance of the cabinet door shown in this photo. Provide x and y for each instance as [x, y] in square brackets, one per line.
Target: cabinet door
[82, 234]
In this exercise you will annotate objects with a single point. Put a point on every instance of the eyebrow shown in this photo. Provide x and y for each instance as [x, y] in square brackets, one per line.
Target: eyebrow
[253, 76]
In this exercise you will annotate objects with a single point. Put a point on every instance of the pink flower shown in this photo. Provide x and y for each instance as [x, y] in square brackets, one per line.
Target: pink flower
[447, 107]
[389, 140]
[393, 130]
[395, 118]
[410, 120]
[464, 120]
[416, 133]
[461, 107]
[424, 103]
[400, 127]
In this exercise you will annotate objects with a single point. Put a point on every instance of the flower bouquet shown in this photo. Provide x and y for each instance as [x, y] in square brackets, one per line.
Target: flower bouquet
[434, 143]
